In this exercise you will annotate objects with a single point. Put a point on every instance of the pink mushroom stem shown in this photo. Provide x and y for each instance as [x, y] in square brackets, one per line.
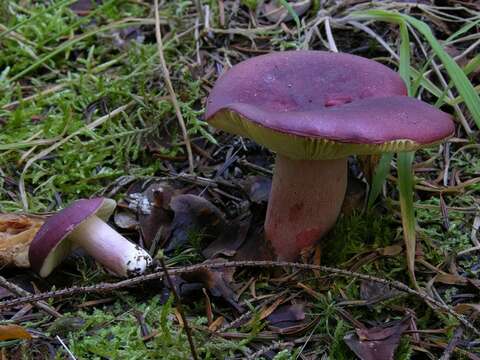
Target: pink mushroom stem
[305, 201]
[118, 255]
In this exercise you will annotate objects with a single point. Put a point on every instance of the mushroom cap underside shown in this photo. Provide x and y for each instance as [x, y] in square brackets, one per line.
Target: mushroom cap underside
[370, 126]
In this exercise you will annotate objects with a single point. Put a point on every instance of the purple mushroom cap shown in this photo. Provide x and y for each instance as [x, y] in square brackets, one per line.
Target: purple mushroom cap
[57, 228]
[320, 105]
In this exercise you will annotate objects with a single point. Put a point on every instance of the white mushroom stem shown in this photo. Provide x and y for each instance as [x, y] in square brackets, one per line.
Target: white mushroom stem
[120, 256]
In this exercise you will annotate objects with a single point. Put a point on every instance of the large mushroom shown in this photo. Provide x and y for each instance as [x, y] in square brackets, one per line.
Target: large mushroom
[314, 109]
[82, 225]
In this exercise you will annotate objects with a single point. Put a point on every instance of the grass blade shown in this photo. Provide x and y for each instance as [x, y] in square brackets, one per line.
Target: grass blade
[405, 187]
[405, 160]
[381, 172]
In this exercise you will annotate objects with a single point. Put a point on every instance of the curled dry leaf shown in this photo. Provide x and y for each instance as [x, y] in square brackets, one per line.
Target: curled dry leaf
[83, 7]
[148, 211]
[373, 292]
[258, 188]
[275, 11]
[377, 343]
[13, 332]
[158, 218]
[467, 308]
[218, 282]
[287, 315]
[16, 234]
[194, 215]
[230, 240]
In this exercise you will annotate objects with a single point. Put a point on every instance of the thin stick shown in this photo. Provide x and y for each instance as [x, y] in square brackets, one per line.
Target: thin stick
[22, 292]
[199, 8]
[328, 31]
[452, 344]
[171, 91]
[180, 310]
[105, 287]
[70, 354]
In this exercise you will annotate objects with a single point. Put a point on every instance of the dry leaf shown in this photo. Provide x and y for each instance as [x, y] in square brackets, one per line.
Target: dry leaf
[214, 326]
[217, 282]
[451, 279]
[287, 316]
[16, 234]
[83, 7]
[193, 214]
[373, 292]
[158, 195]
[13, 332]
[231, 238]
[274, 11]
[377, 343]
[258, 188]
[467, 308]
[392, 250]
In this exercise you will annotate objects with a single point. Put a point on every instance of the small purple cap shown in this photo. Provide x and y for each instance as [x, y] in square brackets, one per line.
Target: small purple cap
[59, 226]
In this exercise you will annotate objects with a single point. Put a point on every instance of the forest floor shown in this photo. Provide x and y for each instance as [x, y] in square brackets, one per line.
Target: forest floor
[85, 111]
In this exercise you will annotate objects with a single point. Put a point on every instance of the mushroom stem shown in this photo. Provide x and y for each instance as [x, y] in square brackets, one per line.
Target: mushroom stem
[305, 201]
[120, 256]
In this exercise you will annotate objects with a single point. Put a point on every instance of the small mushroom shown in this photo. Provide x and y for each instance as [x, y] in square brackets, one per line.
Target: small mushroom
[314, 109]
[82, 225]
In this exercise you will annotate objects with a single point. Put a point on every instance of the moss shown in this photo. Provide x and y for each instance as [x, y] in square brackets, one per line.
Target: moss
[114, 333]
[357, 233]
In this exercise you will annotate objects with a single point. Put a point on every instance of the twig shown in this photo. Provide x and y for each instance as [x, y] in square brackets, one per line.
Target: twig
[180, 310]
[70, 355]
[47, 91]
[199, 8]
[331, 40]
[171, 91]
[452, 344]
[22, 292]
[105, 287]
[273, 347]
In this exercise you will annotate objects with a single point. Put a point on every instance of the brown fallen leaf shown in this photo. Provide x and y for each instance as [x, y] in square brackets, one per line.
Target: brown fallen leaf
[231, 238]
[194, 215]
[13, 332]
[274, 11]
[377, 343]
[373, 292]
[83, 7]
[214, 326]
[287, 315]
[217, 282]
[258, 188]
[16, 234]
[159, 217]
[391, 250]
[450, 279]
[467, 308]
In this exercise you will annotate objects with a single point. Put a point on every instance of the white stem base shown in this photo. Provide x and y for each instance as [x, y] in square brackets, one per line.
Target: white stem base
[119, 255]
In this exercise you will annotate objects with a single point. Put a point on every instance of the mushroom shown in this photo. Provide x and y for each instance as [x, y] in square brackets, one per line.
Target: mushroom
[82, 225]
[314, 109]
